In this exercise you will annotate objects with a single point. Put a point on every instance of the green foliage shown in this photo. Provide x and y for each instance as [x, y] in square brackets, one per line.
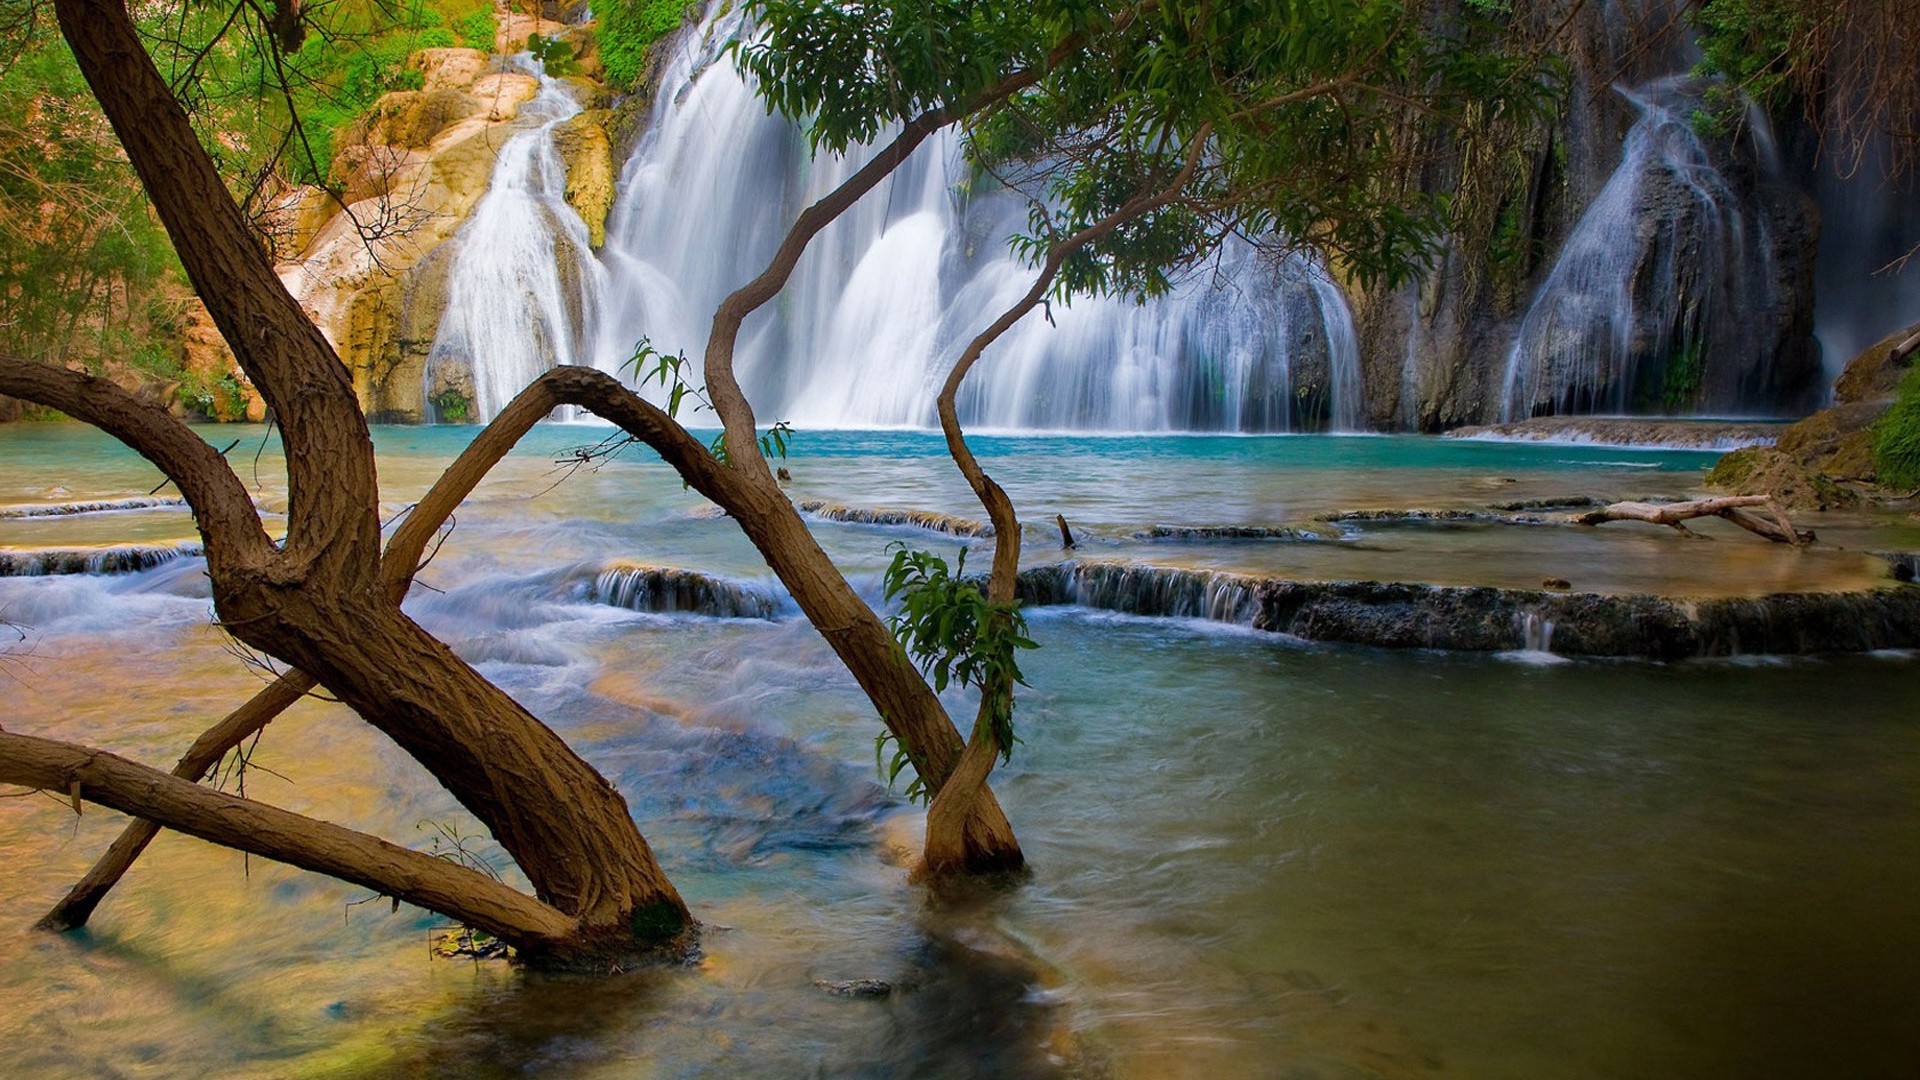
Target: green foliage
[223, 398]
[891, 768]
[1295, 115]
[671, 371]
[476, 30]
[627, 28]
[450, 406]
[1750, 45]
[85, 269]
[956, 635]
[1896, 442]
[555, 56]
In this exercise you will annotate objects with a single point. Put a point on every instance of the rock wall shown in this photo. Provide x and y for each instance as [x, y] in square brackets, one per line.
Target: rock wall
[371, 264]
[1436, 355]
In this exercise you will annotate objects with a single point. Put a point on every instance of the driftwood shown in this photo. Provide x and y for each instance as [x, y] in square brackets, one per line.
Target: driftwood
[1066, 534]
[1774, 526]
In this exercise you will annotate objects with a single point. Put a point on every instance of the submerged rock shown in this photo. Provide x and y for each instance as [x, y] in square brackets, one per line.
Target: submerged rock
[919, 519]
[121, 559]
[1629, 431]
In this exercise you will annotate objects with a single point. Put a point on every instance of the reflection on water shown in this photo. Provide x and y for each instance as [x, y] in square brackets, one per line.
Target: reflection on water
[1251, 858]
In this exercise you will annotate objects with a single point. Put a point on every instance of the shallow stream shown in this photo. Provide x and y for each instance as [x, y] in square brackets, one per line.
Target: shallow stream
[1252, 856]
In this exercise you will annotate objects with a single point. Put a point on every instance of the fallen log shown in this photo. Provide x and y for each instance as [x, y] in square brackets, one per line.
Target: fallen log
[1775, 526]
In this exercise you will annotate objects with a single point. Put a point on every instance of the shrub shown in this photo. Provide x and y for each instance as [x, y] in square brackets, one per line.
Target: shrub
[1896, 444]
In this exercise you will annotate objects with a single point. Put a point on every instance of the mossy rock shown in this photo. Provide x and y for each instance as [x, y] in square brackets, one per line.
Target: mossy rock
[411, 118]
[1764, 470]
[1875, 374]
[587, 150]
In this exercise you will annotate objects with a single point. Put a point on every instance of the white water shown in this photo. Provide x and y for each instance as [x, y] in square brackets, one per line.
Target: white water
[1660, 262]
[884, 300]
[524, 289]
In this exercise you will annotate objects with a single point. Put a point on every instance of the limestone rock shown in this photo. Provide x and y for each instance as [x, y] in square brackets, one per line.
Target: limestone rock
[294, 217]
[515, 28]
[588, 153]
[411, 118]
[1875, 374]
[503, 94]
[1837, 442]
[1762, 470]
[449, 69]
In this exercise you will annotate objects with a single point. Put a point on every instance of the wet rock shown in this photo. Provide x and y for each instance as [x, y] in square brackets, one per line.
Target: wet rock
[668, 590]
[1556, 583]
[1628, 431]
[919, 519]
[856, 988]
[1486, 619]
[587, 151]
[1223, 532]
[504, 93]
[122, 559]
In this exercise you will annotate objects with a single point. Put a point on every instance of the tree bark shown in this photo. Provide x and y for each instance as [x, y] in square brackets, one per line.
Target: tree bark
[1776, 527]
[402, 559]
[318, 600]
[953, 801]
[432, 883]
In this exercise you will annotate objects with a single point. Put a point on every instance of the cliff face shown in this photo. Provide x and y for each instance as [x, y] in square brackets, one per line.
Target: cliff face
[372, 265]
[1613, 260]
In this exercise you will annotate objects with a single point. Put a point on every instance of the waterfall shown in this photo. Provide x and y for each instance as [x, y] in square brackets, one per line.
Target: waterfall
[1660, 300]
[1865, 290]
[524, 291]
[884, 300]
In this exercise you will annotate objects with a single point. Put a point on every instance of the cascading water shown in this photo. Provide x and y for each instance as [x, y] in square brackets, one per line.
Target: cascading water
[886, 297]
[1661, 298]
[525, 290]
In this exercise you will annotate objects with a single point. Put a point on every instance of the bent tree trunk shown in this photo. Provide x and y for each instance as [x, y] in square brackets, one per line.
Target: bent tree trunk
[317, 600]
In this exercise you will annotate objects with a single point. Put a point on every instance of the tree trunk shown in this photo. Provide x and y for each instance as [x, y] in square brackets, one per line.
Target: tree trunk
[317, 600]
[418, 878]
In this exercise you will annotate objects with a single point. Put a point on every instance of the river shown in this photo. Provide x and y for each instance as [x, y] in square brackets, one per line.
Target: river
[1253, 855]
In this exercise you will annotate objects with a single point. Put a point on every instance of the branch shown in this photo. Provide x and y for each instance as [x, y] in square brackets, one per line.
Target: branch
[333, 513]
[730, 402]
[953, 803]
[307, 843]
[1732, 507]
[222, 509]
[557, 387]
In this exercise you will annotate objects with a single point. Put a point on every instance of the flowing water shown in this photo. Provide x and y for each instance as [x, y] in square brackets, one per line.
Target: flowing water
[523, 241]
[1252, 857]
[885, 299]
[1658, 300]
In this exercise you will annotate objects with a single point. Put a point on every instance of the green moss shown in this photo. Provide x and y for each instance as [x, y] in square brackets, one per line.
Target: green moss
[223, 400]
[1685, 375]
[476, 30]
[1896, 442]
[627, 28]
[451, 407]
[657, 923]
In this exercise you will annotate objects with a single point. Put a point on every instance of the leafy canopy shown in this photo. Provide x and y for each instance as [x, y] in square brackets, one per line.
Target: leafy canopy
[1304, 122]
